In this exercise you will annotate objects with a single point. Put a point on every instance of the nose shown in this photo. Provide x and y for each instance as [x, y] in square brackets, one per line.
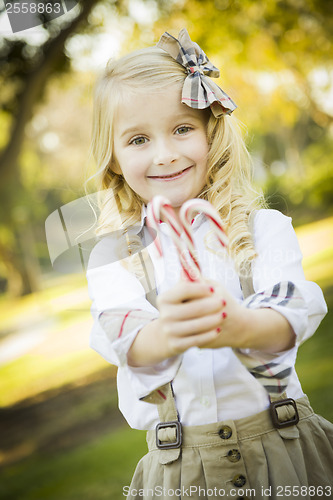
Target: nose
[165, 152]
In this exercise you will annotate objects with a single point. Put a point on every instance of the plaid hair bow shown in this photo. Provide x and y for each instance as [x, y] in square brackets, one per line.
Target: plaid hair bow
[199, 91]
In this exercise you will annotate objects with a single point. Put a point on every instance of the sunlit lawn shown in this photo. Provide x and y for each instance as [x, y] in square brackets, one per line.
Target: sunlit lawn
[96, 471]
[61, 354]
[100, 468]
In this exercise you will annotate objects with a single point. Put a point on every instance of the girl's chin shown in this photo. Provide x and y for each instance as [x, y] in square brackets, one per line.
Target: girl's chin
[175, 203]
[176, 199]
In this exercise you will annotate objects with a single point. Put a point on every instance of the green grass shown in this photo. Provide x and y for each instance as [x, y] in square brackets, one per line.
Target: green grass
[98, 470]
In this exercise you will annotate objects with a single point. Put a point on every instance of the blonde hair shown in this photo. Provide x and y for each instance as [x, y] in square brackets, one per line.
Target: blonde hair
[229, 167]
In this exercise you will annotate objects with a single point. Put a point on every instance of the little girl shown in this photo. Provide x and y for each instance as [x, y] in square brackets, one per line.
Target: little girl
[207, 368]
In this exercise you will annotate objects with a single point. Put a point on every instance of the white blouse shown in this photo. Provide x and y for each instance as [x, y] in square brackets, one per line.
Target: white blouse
[210, 385]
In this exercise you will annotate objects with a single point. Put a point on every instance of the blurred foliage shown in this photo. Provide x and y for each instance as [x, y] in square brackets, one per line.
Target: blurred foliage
[310, 195]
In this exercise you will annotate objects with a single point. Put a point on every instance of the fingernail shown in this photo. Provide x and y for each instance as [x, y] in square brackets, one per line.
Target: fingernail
[224, 303]
[211, 289]
[224, 315]
[218, 329]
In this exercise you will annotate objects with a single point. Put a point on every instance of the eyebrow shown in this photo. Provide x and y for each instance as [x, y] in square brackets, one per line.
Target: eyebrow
[187, 115]
[181, 117]
[131, 130]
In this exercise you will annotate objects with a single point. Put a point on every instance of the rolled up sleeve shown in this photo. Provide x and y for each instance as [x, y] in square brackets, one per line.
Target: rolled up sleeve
[120, 310]
[278, 276]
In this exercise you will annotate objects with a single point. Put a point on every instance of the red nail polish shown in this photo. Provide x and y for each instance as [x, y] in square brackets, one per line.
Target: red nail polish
[218, 329]
[224, 303]
[224, 315]
[211, 289]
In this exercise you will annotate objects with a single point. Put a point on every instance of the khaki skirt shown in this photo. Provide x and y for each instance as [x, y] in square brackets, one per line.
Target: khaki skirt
[247, 458]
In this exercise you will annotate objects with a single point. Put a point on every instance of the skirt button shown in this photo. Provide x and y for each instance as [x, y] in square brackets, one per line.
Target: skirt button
[233, 455]
[239, 480]
[225, 432]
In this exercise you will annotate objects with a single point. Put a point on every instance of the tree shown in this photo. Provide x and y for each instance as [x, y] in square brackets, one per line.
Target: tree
[31, 75]
[25, 72]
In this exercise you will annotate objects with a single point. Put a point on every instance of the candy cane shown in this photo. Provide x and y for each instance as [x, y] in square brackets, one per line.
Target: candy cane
[188, 211]
[160, 209]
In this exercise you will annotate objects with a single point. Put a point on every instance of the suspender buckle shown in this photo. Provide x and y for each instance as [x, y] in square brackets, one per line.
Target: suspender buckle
[166, 445]
[275, 416]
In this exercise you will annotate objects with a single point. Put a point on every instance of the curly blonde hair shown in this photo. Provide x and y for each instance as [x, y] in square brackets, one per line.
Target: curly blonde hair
[229, 167]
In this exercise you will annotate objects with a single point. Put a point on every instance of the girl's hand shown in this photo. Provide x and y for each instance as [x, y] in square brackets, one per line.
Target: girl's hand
[234, 320]
[260, 329]
[190, 315]
[204, 314]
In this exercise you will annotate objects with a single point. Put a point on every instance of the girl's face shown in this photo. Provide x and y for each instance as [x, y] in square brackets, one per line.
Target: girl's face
[160, 146]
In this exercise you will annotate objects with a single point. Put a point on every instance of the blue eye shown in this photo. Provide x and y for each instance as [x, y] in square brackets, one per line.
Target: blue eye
[183, 130]
[138, 141]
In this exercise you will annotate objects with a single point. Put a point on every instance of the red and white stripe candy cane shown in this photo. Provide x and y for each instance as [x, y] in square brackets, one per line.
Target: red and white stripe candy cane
[160, 209]
[187, 212]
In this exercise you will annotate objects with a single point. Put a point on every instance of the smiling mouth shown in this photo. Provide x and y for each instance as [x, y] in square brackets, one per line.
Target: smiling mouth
[169, 176]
